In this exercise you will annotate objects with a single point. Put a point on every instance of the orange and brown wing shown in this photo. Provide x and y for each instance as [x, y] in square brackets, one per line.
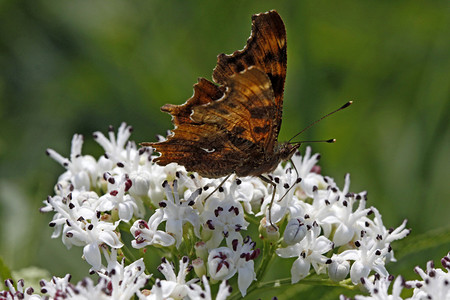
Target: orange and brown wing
[217, 137]
[266, 50]
[247, 110]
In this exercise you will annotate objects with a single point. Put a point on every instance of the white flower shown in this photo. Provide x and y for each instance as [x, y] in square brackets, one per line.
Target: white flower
[378, 288]
[435, 283]
[346, 221]
[116, 198]
[285, 202]
[114, 147]
[178, 212]
[221, 263]
[116, 282]
[19, 293]
[91, 236]
[382, 236]
[196, 292]
[61, 288]
[123, 282]
[223, 217]
[157, 192]
[305, 166]
[74, 207]
[81, 170]
[141, 183]
[310, 251]
[146, 234]
[366, 258]
[175, 286]
[56, 286]
[250, 191]
[224, 262]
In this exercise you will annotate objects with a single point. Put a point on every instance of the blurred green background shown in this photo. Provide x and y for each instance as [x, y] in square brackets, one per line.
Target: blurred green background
[78, 66]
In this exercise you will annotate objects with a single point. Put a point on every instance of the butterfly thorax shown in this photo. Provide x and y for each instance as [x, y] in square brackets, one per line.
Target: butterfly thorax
[265, 163]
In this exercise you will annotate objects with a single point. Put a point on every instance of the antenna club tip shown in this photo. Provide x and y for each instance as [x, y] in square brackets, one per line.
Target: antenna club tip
[346, 104]
[331, 141]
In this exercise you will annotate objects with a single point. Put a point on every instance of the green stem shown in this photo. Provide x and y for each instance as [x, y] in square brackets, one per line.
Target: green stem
[128, 254]
[308, 281]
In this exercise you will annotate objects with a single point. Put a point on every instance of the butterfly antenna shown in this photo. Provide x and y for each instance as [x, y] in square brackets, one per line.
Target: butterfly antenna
[319, 141]
[317, 121]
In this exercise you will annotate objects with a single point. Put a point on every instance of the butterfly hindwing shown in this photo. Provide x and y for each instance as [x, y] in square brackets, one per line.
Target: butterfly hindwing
[222, 132]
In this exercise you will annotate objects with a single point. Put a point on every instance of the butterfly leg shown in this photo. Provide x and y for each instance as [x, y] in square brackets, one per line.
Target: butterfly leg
[295, 168]
[218, 187]
[267, 180]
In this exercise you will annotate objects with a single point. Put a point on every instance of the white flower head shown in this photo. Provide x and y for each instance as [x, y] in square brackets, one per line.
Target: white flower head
[313, 214]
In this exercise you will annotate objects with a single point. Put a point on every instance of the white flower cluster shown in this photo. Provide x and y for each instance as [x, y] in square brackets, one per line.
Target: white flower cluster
[320, 225]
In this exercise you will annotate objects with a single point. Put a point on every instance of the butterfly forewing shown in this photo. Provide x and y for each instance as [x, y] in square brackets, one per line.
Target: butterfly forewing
[265, 49]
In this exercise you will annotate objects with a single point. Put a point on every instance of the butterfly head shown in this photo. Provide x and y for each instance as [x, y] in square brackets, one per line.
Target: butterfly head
[286, 150]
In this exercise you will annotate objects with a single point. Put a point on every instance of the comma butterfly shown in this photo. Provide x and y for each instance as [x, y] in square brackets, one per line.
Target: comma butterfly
[232, 125]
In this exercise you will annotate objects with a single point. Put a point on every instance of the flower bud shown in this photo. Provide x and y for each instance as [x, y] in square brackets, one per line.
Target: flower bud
[199, 267]
[295, 232]
[221, 264]
[338, 269]
[201, 250]
[141, 184]
[300, 269]
[268, 232]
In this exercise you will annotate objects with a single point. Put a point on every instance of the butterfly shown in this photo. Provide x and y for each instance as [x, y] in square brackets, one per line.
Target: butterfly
[231, 125]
